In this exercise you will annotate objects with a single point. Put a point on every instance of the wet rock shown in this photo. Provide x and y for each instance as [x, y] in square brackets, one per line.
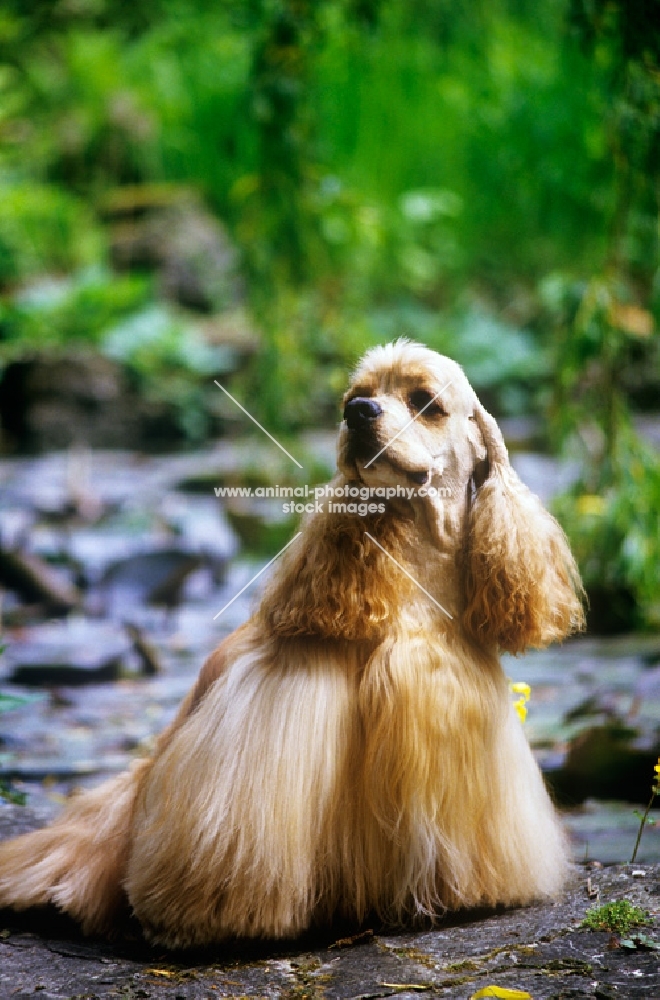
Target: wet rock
[97, 668]
[523, 433]
[146, 651]
[611, 610]
[166, 229]
[78, 485]
[606, 832]
[648, 424]
[71, 653]
[34, 580]
[95, 551]
[647, 690]
[78, 733]
[147, 578]
[53, 402]
[605, 762]
[201, 524]
[15, 820]
[15, 525]
[233, 328]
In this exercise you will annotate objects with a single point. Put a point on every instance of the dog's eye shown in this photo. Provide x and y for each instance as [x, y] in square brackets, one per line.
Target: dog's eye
[420, 399]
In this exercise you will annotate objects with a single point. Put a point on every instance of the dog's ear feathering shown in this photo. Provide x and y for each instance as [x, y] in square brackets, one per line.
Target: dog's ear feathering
[523, 588]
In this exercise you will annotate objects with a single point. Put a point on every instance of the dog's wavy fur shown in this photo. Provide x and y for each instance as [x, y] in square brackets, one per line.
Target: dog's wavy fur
[353, 747]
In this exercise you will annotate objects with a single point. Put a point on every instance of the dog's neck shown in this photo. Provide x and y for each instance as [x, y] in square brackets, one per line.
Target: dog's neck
[434, 558]
[433, 541]
[355, 573]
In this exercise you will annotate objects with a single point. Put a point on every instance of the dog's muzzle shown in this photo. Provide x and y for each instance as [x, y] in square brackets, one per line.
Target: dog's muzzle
[361, 415]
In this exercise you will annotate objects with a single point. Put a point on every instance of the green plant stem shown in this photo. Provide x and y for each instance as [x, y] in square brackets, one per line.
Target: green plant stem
[642, 825]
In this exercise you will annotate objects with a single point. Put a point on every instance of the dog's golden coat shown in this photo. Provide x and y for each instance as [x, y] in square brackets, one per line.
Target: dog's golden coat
[353, 747]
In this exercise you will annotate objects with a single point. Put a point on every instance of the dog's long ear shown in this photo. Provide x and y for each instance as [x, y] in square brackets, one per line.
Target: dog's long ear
[335, 582]
[523, 587]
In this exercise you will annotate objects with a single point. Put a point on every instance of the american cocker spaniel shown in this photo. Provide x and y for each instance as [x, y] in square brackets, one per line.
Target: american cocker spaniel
[352, 748]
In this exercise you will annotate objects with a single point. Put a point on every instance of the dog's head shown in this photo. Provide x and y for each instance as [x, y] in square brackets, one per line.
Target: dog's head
[410, 418]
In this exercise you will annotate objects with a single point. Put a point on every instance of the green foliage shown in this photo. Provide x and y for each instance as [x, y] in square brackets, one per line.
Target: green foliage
[43, 228]
[165, 356]
[7, 703]
[502, 114]
[605, 329]
[619, 917]
[504, 363]
[610, 513]
[613, 528]
[55, 311]
[623, 37]
[9, 795]
[154, 338]
[273, 107]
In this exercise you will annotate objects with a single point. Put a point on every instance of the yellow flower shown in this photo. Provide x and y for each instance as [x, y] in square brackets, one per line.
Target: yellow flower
[519, 687]
[521, 709]
[525, 692]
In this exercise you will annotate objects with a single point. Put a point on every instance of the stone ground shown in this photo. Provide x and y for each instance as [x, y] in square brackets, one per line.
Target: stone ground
[540, 949]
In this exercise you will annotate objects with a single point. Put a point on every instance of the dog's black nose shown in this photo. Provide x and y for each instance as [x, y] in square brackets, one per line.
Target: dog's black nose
[360, 411]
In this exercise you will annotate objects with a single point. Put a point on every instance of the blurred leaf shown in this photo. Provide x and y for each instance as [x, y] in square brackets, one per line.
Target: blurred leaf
[8, 702]
[9, 795]
[42, 228]
[430, 204]
[153, 339]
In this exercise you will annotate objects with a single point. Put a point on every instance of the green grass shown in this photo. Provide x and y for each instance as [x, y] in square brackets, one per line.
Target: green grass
[619, 917]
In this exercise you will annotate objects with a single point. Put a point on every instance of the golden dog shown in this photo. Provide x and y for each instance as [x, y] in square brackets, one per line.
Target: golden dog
[352, 748]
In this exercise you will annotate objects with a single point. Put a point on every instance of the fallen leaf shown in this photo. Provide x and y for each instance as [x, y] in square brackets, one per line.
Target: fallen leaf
[348, 942]
[501, 993]
[407, 986]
